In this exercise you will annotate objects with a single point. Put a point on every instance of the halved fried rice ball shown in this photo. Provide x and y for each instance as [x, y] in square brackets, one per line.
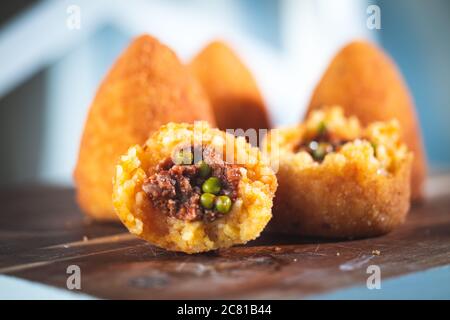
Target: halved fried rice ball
[192, 188]
[337, 179]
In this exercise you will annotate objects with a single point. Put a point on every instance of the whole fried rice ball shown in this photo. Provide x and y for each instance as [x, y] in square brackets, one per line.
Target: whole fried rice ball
[231, 88]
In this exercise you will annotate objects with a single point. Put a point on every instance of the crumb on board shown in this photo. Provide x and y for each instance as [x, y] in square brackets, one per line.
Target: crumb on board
[277, 249]
[295, 259]
[85, 238]
[376, 252]
[338, 254]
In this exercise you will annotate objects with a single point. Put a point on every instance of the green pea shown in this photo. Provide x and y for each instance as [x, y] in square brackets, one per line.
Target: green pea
[322, 128]
[374, 146]
[183, 157]
[318, 154]
[211, 185]
[204, 169]
[223, 204]
[207, 200]
[321, 151]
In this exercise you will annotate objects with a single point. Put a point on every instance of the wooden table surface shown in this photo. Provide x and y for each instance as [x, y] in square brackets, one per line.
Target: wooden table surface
[42, 232]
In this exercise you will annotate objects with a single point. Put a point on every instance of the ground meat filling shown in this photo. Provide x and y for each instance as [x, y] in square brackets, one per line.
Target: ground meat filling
[323, 143]
[176, 186]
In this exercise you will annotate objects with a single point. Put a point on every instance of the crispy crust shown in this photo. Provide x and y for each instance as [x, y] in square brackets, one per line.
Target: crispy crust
[248, 217]
[366, 83]
[231, 88]
[146, 87]
[352, 193]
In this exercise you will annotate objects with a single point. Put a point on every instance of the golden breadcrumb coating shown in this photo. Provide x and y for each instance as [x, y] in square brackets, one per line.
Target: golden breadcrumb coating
[250, 212]
[366, 83]
[146, 87]
[359, 190]
[231, 88]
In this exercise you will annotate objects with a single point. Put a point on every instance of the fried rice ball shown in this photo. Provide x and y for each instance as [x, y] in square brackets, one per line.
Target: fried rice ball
[338, 179]
[146, 87]
[366, 83]
[231, 88]
[197, 204]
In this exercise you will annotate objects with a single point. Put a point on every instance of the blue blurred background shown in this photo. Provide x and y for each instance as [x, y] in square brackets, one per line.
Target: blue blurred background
[49, 72]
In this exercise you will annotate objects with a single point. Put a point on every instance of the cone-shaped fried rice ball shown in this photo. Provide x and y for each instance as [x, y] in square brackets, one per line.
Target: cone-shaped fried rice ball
[339, 180]
[192, 188]
[231, 88]
[366, 83]
[146, 88]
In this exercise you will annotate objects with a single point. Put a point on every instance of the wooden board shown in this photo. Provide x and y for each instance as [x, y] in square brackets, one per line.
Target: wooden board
[42, 232]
